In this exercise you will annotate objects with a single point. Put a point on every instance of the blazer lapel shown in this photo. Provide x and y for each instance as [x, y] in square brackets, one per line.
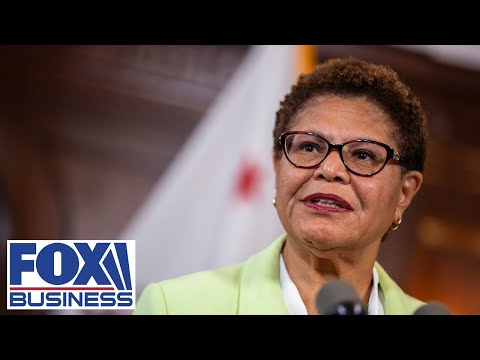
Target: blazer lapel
[396, 301]
[260, 291]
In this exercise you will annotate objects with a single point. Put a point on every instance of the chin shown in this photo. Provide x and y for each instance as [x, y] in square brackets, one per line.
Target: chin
[323, 239]
[326, 244]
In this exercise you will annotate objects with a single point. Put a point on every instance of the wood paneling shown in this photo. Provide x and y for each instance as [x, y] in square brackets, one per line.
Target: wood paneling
[446, 264]
[86, 131]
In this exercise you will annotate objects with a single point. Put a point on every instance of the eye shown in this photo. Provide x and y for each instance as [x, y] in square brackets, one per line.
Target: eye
[364, 155]
[308, 147]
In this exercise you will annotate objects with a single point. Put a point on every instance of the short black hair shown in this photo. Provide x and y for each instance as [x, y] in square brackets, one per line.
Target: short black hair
[355, 78]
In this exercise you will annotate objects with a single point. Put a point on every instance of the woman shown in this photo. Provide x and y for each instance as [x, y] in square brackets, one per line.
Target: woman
[349, 151]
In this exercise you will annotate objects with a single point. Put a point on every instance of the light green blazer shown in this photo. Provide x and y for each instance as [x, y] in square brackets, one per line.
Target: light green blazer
[251, 287]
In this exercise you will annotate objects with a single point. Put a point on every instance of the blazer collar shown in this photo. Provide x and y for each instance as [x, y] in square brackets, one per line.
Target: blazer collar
[396, 301]
[260, 291]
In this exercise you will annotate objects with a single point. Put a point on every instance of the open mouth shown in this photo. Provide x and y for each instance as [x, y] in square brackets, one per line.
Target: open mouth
[327, 201]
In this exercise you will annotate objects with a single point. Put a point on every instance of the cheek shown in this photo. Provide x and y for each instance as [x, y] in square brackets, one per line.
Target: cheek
[289, 179]
[379, 195]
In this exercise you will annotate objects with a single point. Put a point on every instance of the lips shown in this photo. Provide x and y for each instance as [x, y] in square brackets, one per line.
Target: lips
[330, 201]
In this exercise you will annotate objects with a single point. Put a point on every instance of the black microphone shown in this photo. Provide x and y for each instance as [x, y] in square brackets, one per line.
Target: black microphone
[432, 308]
[338, 297]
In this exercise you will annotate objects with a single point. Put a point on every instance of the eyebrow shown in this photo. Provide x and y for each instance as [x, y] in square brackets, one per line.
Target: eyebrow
[326, 137]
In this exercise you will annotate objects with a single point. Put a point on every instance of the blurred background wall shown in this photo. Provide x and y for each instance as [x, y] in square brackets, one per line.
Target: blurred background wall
[86, 131]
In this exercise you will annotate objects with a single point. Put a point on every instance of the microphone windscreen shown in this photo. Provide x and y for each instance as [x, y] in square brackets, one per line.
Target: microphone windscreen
[432, 308]
[338, 297]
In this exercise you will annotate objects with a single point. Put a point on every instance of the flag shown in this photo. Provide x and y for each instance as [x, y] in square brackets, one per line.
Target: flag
[213, 205]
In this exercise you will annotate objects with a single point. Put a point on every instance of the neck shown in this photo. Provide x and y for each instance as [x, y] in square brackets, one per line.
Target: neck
[311, 269]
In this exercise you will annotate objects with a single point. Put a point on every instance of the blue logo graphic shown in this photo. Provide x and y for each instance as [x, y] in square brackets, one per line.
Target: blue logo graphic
[71, 274]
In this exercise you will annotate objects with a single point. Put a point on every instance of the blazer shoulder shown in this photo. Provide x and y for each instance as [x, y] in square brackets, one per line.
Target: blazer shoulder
[212, 291]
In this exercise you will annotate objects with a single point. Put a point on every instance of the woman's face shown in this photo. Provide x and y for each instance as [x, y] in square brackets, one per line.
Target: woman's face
[369, 205]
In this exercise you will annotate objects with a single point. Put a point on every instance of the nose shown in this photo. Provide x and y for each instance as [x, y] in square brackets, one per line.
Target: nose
[332, 168]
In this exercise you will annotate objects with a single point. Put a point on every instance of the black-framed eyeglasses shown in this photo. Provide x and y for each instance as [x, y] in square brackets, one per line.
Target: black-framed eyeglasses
[362, 157]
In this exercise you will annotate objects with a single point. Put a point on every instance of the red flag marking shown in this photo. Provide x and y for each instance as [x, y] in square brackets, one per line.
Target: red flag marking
[248, 181]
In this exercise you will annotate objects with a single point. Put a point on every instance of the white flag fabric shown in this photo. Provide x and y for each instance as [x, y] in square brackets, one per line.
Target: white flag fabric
[213, 206]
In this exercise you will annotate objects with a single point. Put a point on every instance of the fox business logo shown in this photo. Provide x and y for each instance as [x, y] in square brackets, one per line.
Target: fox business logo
[70, 274]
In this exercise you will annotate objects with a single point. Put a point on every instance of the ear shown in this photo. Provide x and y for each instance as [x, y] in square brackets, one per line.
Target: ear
[411, 182]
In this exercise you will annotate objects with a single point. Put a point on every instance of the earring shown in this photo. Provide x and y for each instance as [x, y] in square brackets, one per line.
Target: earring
[274, 202]
[395, 225]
